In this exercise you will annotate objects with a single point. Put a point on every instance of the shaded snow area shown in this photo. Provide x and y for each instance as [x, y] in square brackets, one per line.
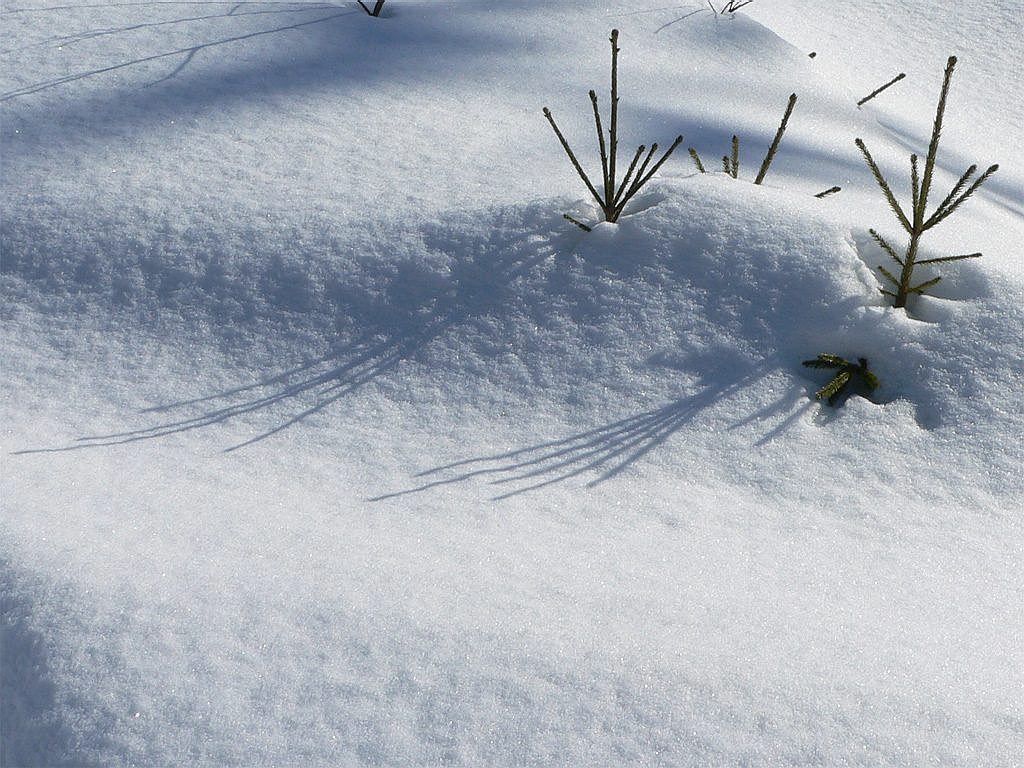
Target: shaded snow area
[328, 441]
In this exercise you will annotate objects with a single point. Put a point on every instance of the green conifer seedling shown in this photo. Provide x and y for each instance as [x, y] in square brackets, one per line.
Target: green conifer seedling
[847, 375]
[696, 160]
[767, 162]
[614, 193]
[919, 222]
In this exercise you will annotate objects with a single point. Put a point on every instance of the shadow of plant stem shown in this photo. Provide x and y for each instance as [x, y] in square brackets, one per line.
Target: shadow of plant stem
[919, 222]
[615, 194]
[332, 377]
[338, 374]
[606, 450]
[188, 53]
[67, 40]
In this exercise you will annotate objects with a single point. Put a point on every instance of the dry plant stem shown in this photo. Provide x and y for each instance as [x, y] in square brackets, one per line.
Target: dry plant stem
[572, 157]
[766, 164]
[829, 191]
[919, 222]
[577, 222]
[881, 88]
[730, 7]
[613, 129]
[614, 194]
[376, 8]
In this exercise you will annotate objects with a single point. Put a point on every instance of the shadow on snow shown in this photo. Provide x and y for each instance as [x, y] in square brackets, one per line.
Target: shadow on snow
[608, 450]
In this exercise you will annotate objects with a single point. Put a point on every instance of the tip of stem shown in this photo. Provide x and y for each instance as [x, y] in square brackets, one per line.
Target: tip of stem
[951, 62]
[993, 168]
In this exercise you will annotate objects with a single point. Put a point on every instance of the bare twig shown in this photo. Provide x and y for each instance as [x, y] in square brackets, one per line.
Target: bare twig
[878, 90]
[378, 6]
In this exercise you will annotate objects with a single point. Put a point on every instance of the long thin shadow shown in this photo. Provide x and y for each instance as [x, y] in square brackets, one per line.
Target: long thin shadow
[331, 377]
[8, 11]
[607, 450]
[189, 52]
[66, 40]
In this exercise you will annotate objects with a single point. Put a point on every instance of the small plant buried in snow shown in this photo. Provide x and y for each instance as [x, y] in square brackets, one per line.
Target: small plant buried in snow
[614, 194]
[917, 223]
[848, 376]
[731, 162]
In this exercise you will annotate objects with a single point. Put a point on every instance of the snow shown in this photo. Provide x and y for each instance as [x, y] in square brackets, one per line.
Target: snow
[328, 441]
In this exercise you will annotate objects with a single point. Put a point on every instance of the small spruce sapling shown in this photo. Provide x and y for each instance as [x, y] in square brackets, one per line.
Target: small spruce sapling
[615, 194]
[847, 375]
[919, 222]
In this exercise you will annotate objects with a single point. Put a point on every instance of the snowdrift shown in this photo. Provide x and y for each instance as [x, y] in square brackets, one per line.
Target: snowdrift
[328, 441]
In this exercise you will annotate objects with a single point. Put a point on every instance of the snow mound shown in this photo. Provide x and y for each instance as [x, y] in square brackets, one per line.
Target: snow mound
[328, 441]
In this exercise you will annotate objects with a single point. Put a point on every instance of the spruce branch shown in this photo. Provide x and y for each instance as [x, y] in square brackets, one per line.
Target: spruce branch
[884, 245]
[950, 258]
[880, 179]
[826, 361]
[940, 215]
[948, 200]
[696, 159]
[776, 141]
[734, 160]
[833, 389]
[889, 275]
[933, 146]
[915, 185]
[846, 374]
[919, 289]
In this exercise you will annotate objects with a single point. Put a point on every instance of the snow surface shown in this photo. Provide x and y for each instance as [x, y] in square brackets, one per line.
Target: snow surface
[327, 441]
